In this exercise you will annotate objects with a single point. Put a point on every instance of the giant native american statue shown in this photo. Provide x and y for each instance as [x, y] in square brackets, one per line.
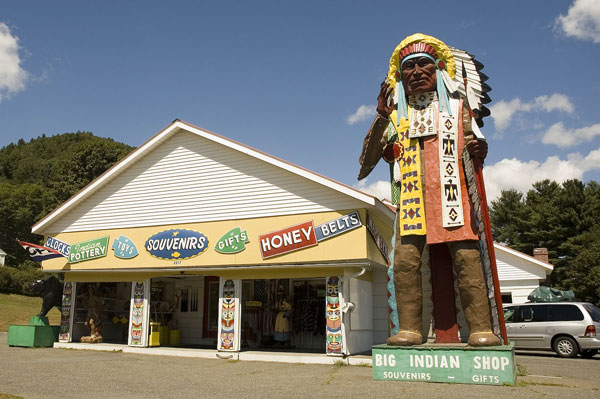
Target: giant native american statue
[429, 111]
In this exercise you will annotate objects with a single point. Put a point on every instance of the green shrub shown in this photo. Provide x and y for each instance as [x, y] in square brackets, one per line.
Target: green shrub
[18, 281]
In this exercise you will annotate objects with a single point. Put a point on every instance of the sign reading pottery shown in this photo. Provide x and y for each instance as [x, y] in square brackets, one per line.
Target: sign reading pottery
[176, 244]
[338, 226]
[124, 248]
[88, 250]
[287, 240]
[232, 242]
[492, 365]
[62, 247]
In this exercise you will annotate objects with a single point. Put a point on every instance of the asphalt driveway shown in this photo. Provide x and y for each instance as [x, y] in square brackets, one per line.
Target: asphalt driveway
[43, 373]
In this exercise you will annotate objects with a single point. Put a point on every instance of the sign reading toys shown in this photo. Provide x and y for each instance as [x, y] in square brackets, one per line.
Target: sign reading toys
[124, 248]
[176, 244]
[287, 240]
[88, 250]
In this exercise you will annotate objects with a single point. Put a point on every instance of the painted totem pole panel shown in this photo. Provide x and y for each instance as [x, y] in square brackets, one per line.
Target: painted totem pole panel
[138, 315]
[66, 312]
[333, 313]
[229, 315]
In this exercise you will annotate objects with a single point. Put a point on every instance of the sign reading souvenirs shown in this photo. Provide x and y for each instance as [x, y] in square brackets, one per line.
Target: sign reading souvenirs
[232, 242]
[338, 226]
[487, 366]
[88, 250]
[287, 240]
[176, 244]
[124, 248]
[62, 247]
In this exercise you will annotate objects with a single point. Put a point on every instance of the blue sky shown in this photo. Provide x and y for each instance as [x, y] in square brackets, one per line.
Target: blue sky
[289, 77]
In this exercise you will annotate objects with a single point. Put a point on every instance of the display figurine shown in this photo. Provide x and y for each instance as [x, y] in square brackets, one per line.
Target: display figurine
[94, 337]
[282, 321]
[51, 290]
[429, 110]
[93, 318]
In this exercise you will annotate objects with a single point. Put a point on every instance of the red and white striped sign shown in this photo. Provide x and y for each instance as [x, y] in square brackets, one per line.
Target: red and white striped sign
[287, 240]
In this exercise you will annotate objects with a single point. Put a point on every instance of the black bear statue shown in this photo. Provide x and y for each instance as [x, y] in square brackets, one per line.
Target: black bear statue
[50, 289]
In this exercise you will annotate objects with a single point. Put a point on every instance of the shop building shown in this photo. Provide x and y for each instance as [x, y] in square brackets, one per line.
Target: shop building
[519, 274]
[198, 241]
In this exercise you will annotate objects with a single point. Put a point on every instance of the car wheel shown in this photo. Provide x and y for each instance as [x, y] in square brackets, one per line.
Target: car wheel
[565, 347]
[588, 354]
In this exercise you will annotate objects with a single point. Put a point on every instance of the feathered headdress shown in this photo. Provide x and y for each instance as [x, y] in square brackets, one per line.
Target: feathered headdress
[454, 68]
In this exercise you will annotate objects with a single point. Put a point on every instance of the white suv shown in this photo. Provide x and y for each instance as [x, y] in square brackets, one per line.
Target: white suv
[568, 328]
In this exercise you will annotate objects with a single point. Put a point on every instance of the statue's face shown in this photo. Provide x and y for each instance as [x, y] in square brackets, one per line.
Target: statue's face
[418, 75]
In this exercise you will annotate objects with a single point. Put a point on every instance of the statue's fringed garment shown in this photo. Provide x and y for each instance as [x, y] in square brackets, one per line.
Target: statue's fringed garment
[407, 192]
[436, 160]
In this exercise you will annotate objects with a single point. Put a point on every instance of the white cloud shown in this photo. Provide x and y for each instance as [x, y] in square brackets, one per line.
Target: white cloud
[362, 113]
[380, 189]
[520, 175]
[582, 20]
[561, 137]
[504, 111]
[12, 76]
[555, 102]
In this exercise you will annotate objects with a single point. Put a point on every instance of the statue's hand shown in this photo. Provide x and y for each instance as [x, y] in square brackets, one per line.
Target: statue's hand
[385, 105]
[477, 148]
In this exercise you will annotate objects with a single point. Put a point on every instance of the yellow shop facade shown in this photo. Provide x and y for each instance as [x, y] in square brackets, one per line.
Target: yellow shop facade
[194, 240]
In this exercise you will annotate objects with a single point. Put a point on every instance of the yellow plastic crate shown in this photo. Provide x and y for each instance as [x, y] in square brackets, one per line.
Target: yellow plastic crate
[154, 334]
[175, 337]
[164, 335]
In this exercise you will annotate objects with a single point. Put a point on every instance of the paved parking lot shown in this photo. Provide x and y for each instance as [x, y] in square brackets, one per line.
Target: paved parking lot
[67, 373]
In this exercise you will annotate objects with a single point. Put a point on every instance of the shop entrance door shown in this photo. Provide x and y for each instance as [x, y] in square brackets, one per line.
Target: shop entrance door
[210, 322]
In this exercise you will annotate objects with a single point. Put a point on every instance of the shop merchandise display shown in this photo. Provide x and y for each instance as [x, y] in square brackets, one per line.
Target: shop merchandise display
[102, 312]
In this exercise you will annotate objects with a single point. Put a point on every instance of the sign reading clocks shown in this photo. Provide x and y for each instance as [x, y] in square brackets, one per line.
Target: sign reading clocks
[176, 244]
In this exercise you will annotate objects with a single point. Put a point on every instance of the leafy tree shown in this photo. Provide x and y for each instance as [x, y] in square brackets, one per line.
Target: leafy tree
[87, 160]
[583, 275]
[508, 215]
[36, 177]
[21, 206]
[560, 217]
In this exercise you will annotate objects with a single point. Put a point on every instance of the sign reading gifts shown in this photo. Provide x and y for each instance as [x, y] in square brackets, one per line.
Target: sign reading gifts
[87, 250]
[232, 242]
[287, 240]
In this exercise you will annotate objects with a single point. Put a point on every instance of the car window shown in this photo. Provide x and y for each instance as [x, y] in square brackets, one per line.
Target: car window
[509, 313]
[565, 313]
[593, 311]
[533, 313]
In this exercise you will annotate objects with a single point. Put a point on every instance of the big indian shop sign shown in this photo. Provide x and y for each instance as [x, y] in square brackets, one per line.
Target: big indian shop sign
[493, 365]
[176, 244]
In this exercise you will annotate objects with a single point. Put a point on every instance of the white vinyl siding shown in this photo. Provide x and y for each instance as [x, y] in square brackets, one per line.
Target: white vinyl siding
[190, 179]
[511, 268]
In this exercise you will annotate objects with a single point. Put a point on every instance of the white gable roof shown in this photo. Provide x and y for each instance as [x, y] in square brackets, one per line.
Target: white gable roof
[185, 174]
[514, 265]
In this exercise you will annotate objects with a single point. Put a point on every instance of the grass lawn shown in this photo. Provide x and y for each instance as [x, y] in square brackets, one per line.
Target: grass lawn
[17, 309]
